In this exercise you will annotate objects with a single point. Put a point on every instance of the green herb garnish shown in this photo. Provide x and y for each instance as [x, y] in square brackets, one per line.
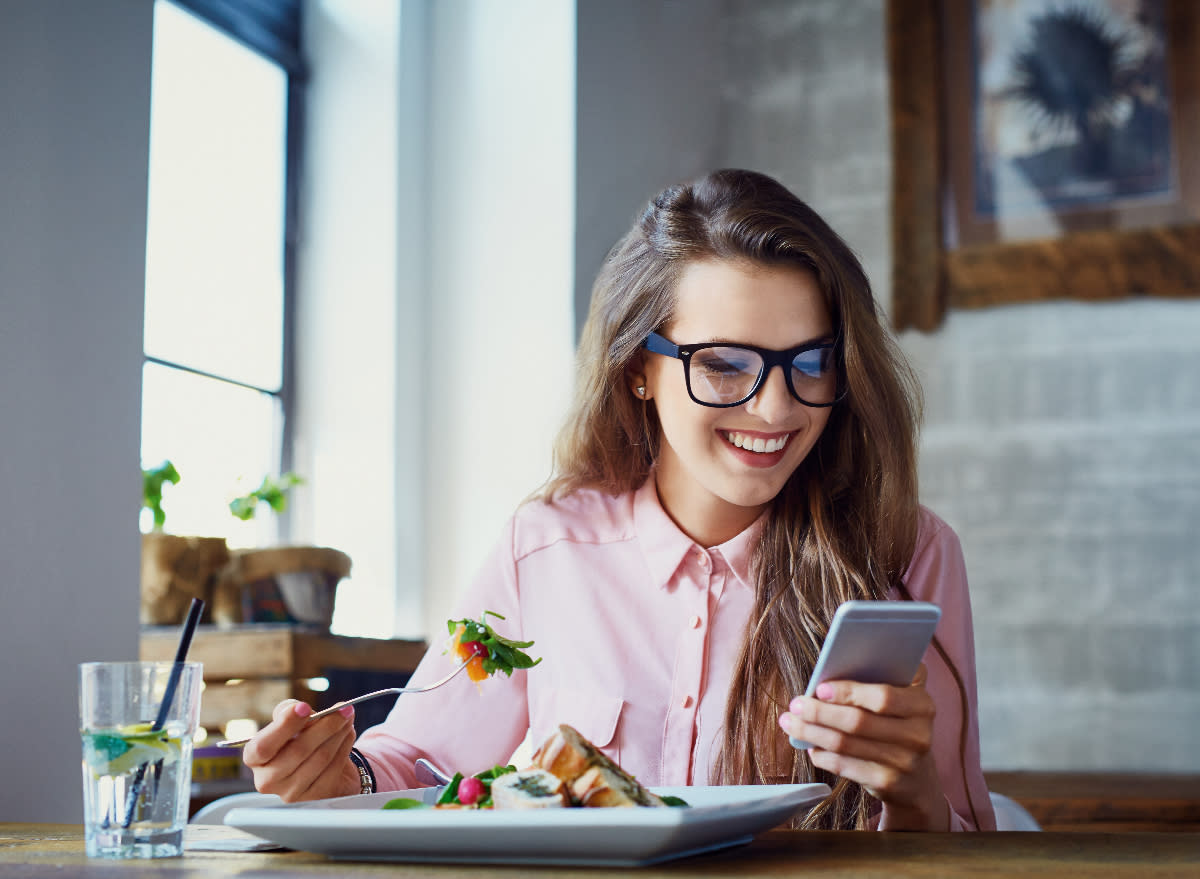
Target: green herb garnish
[450, 794]
[533, 785]
[501, 654]
[405, 803]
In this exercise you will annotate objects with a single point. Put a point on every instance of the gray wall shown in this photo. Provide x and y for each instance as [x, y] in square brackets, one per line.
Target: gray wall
[1062, 440]
[74, 122]
[805, 100]
[648, 104]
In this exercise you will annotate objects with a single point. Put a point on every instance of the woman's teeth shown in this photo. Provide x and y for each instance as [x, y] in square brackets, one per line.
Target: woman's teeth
[757, 443]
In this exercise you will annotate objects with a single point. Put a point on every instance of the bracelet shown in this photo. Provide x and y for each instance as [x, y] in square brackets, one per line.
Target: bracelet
[366, 776]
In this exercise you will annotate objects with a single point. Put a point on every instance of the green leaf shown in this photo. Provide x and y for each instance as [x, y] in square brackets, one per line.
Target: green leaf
[405, 803]
[243, 507]
[99, 749]
[674, 801]
[450, 794]
[152, 490]
[503, 654]
[272, 491]
[490, 775]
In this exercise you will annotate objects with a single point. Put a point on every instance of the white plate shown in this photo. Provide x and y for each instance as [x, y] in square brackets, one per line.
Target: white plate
[358, 828]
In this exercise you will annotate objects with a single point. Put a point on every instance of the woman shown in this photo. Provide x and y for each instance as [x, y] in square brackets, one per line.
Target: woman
[707, 515]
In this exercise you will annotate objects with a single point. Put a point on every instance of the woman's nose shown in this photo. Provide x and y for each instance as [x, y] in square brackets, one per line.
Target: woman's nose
[774, 401]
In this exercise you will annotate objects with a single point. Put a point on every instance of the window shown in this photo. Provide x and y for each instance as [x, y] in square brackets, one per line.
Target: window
[215, 387]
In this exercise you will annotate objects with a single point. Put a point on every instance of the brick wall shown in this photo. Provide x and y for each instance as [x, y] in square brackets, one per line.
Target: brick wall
[1062, 440]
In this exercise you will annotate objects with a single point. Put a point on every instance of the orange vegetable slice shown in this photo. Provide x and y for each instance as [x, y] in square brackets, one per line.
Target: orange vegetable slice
[475, 667]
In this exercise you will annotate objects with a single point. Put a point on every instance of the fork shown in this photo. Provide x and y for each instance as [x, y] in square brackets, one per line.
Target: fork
[390, 691]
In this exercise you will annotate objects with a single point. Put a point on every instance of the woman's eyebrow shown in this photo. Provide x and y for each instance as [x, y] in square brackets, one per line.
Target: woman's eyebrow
[823, 338]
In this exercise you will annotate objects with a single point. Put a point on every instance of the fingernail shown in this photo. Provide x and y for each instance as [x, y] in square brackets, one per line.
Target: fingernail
[783, 721]
[825, 691]
[346, 711]
[302, 709]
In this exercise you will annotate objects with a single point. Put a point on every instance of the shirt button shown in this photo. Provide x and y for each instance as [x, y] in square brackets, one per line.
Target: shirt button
[694, 622]
[702, 559]
[687, 702]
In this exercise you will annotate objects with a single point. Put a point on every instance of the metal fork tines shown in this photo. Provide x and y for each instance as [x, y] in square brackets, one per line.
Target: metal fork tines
[390, 691]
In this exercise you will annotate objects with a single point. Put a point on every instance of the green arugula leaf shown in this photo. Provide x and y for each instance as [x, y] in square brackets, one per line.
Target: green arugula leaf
[503, 654]
[405, 803]
[450, 794]
[490, 775]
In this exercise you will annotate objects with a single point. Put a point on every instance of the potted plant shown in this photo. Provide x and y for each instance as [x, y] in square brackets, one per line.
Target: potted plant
[175, 569]
[282, 584]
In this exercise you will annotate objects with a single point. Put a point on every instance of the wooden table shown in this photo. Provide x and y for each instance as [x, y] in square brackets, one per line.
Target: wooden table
[44, 850]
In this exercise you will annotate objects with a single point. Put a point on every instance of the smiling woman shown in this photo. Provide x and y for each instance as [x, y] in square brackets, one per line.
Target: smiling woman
[710, 450]
[680, 570]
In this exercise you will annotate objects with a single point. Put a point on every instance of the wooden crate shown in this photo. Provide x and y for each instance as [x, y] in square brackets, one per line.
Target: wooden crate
[249, 669]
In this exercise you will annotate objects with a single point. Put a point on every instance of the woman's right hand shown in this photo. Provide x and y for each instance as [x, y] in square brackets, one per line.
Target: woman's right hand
[299, 760]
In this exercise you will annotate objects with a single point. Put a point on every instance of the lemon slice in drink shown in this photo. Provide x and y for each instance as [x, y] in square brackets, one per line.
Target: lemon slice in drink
[114, 752]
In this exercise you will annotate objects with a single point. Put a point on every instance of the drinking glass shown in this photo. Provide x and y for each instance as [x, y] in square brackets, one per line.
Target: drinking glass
[137, 755]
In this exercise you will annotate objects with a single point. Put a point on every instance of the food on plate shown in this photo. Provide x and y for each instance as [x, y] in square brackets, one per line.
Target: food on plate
[567, 771]
[610, 786]
[463, 792]
[487, 652]
[472, 791]
[529, 789]
[592, 777]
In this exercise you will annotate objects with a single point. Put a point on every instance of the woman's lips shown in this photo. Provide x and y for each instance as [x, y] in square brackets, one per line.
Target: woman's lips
[757, 442]
[755, 449]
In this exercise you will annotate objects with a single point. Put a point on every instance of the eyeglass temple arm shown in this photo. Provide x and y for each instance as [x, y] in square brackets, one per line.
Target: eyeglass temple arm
[658, 345]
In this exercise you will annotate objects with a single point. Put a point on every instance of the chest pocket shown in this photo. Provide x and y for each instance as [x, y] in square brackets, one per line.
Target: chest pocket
[596, 716]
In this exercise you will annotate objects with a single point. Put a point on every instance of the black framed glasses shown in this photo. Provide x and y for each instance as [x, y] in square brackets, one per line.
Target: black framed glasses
[722, 375]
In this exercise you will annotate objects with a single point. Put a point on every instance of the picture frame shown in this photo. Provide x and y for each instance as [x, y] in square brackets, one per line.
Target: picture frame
[1096, 249]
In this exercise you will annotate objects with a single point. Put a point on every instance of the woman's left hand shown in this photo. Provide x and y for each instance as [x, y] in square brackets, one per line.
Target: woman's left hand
[881, 737]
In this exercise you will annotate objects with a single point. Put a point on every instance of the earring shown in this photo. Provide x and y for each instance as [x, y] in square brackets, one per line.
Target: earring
[641, 390]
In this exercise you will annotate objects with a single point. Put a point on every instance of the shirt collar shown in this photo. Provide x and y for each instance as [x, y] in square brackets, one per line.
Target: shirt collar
[665, 546]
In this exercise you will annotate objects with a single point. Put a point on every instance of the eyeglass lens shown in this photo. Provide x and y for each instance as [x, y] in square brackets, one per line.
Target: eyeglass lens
[726, 374]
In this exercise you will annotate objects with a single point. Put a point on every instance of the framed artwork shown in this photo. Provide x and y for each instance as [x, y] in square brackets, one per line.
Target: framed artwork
[1042, 149]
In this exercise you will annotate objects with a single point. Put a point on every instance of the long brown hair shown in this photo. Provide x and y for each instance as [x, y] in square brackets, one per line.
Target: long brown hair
[845, 524]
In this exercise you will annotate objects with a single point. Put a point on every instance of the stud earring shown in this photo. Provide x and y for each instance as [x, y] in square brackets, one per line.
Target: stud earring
[641, 390]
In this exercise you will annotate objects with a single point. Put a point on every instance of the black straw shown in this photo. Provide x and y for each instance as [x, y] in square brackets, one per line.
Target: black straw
[185, 642]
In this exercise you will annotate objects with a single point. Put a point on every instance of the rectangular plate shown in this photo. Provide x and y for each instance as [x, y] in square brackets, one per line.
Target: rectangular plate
[358, 828]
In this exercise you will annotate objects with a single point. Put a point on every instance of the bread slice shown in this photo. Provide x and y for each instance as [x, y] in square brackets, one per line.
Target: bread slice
[592, 777]
[529, 789]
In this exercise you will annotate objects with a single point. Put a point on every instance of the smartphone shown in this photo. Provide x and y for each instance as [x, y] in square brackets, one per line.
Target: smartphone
[874, 642]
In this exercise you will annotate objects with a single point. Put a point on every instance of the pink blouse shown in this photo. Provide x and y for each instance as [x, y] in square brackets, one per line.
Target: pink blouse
[640, 628]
